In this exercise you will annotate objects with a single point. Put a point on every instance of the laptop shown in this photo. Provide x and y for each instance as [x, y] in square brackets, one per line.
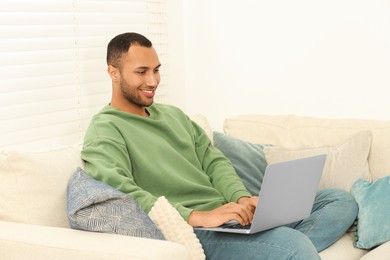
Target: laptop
[286, 195]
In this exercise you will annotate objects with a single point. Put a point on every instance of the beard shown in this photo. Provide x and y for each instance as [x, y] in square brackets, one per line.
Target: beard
[132, 95]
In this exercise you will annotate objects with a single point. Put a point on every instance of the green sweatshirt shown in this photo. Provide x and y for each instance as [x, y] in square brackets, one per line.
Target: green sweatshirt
[165, 154]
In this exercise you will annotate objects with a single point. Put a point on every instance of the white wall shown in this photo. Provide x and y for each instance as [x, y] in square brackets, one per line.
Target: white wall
[308, 57]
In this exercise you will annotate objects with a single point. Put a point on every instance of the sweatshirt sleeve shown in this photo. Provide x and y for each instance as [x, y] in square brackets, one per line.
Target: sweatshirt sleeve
[106, 159]
[218, 167]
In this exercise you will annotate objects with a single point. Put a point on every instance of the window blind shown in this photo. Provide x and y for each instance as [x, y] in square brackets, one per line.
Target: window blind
[52, 65]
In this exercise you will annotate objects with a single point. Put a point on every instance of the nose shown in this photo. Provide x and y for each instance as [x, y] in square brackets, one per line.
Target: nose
[153, 79]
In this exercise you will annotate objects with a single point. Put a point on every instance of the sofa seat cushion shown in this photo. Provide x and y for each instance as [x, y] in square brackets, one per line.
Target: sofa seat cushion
[26, 241]
[33, 185]
[343, 249]
[381, 252]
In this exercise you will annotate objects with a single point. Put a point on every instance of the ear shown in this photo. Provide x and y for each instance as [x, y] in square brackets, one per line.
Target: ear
[113, 72]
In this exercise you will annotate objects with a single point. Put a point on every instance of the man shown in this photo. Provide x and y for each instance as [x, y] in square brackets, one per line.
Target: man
[149, 150]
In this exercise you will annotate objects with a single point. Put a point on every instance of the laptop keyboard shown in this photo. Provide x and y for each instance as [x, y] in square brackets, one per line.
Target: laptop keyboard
[236, 226]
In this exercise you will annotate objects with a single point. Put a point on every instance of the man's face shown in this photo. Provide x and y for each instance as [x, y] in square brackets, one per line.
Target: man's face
[139, 76]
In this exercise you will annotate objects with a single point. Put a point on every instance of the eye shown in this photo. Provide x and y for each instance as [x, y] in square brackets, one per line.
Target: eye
[141, 72]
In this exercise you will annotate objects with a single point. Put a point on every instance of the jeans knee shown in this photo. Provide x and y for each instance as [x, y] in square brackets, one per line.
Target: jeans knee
[347, 202]
[298, 246]
[340, 198]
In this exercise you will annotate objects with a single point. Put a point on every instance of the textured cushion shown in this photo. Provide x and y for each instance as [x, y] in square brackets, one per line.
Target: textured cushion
[247, 158]
[175, 229]
[373, 224]
[346, 162]
[96, 206]
[33, 185]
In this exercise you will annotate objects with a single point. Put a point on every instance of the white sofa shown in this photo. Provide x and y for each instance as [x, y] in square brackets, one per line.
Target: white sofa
[33, 220]
[309, 135]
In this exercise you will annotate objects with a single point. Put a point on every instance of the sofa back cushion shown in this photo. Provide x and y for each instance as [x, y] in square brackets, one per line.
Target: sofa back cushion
[33, 185]
[346, 162]
[298, 131]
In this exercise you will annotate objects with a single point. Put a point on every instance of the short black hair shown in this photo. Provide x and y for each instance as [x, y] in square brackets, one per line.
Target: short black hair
[121, 43]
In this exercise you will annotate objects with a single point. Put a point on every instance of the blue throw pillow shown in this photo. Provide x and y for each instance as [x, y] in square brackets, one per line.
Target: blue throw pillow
[247, 158]
[96, 206]
[373, 223]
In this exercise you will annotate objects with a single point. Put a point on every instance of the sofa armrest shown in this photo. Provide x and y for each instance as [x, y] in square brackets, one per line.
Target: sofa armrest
[26, 241]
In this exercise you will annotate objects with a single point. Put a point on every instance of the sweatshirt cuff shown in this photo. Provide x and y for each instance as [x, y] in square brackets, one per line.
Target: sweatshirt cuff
[239, 194]
[183, 211]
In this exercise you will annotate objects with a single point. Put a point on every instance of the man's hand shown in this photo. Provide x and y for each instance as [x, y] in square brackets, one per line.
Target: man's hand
[249, 202]
[242, 212]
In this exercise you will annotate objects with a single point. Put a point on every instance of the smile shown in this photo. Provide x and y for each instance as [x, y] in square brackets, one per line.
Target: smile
[149, 93]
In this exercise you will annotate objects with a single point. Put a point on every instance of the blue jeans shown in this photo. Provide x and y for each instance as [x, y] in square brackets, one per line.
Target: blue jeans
[334, 211]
